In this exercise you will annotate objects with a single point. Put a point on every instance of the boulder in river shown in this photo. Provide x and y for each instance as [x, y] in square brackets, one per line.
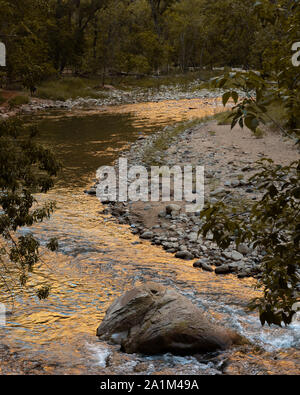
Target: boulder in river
[153, 319]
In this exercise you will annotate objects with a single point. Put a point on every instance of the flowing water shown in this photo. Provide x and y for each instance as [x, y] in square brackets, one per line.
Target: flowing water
[99, 259]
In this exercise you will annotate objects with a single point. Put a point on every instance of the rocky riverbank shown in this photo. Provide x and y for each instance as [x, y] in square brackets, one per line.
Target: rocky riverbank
[229, 158]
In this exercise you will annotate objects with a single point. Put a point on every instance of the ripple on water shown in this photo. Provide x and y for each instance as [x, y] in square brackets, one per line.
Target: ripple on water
[96, 263]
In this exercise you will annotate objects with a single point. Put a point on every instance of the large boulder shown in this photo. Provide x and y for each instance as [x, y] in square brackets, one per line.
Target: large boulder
[153, 319]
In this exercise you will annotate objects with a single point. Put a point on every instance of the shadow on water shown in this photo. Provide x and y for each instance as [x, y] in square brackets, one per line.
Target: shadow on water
[85, 143]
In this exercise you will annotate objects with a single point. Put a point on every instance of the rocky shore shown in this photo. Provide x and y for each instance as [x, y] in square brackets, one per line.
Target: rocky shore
[229, 158]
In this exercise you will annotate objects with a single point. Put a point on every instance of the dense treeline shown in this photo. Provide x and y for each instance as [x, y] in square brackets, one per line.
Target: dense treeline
[48, 37]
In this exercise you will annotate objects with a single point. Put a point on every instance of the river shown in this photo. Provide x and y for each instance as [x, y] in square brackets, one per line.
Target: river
[98, 260]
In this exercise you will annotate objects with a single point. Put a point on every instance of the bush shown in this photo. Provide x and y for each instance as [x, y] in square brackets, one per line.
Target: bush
[18, 101]
[26, 168]
[272, 224]
[68, 88]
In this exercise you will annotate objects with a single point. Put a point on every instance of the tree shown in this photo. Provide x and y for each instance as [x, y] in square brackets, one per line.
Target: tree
[186, 32]
[25, 169]
[158, 8]
[273, 223]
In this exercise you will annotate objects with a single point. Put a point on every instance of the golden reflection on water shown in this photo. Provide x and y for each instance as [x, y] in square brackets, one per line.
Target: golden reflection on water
[101, 264]
[174, 110]
[146, 115]
[96, 263]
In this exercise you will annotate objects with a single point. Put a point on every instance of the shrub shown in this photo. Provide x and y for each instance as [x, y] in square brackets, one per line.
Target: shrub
[18, 101]
[272, 224]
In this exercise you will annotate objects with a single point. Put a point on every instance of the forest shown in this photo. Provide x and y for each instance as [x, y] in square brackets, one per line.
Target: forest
[96, 37]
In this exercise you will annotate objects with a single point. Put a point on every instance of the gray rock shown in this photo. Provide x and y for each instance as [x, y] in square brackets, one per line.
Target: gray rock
[218, 191]
[236, 256]
[243, 274]
[244, 249]
[235, 183]
[224, 269]
[197, 264]
[184, 255]
[156, 226]
[236, 266]
[209, 236]
[226, 254]
[147, 235]
[153, 319]
[193, 236]
[171, 208]
[206, 267]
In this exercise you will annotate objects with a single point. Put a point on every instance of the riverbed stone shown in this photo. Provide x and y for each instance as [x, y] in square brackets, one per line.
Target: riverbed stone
[147, 235]
[172, 208]
[218, 191]
[206, 267]
[244, 249]
[153, 319]
[236, 256]
[193, 236]
[223, 269]
[184, 254]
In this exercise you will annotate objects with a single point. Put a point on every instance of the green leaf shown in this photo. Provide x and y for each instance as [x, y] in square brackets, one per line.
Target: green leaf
[225, 98]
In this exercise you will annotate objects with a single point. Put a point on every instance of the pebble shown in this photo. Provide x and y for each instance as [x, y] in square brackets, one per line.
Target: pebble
[218, 191]
[235, 255]
[147, 235]
[224, 269]
[206, 267]
[184, 255]
[171, 208]
[244, 249]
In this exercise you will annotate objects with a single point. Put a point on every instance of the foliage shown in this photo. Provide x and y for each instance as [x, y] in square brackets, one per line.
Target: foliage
[26, 168]
[18, 101]
[68, 88]
[277, 82]
[2, 99]
[272, 225]
[45, 38]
